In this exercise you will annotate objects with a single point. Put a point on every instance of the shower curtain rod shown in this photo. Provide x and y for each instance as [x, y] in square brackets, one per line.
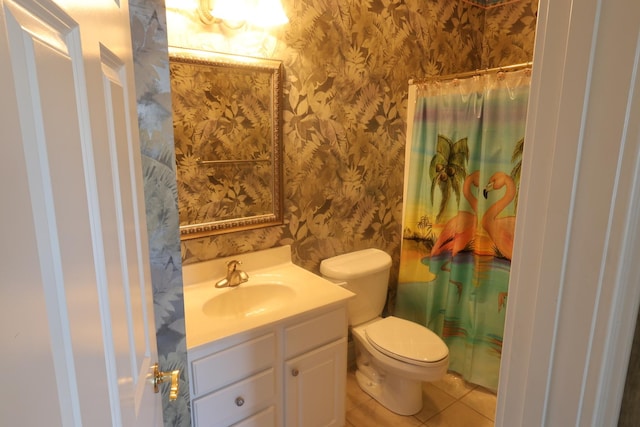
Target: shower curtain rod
[454, 76]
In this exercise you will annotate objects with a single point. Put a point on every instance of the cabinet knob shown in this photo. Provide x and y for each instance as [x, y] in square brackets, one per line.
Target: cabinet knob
[239, 401]
[295, 372]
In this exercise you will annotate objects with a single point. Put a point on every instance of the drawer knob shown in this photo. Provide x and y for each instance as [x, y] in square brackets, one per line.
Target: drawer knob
[295, 372]
[239, 401]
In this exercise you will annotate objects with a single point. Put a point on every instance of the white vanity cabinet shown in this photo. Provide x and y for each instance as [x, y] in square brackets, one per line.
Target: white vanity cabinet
[290, 373]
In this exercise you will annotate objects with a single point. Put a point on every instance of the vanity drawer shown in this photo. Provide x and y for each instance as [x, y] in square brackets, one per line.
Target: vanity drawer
[266, 418]
[236, 402]
[315, 332]
[233, 364]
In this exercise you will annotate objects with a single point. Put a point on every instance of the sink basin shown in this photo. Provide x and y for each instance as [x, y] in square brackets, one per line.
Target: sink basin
[249, 301]
[277, 289]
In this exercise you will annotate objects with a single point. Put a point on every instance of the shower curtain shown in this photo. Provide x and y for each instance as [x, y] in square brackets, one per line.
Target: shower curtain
[459, 215]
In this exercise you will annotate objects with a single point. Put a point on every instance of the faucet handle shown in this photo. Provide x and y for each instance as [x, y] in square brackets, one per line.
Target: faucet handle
[233, 263]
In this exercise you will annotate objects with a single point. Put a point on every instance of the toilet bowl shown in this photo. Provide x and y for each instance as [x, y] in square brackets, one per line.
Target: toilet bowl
[393, 355]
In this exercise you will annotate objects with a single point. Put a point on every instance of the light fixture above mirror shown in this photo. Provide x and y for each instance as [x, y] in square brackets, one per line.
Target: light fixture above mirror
[238, 13]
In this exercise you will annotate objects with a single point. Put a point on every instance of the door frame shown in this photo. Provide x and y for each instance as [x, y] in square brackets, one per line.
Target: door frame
[573, 298]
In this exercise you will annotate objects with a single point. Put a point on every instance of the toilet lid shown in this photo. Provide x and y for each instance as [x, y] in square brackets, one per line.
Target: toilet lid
[406, 341]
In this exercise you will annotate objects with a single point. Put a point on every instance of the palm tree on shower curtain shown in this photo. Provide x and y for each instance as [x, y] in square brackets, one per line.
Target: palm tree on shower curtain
[517, 169]
[448, 169]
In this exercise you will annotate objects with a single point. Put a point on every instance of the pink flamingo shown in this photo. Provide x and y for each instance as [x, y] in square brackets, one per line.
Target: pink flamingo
[500, 229]
[460, 230]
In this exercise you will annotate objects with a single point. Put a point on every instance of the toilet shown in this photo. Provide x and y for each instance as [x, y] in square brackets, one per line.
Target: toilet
[393, 356]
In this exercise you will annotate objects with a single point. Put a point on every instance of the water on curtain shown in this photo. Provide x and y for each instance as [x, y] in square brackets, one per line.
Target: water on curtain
[462, 193]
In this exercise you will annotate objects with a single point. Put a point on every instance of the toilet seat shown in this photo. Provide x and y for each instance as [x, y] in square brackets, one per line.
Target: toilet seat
[407, 341]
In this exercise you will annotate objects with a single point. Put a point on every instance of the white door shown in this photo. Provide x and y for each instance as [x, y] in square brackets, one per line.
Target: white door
[76, 307]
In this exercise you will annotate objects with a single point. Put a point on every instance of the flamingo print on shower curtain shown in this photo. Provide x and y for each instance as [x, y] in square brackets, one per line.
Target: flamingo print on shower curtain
[459, 231]
[464, 161]
[500, 229]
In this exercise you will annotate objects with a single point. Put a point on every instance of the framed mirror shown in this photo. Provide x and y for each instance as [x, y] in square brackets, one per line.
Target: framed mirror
[226, 119]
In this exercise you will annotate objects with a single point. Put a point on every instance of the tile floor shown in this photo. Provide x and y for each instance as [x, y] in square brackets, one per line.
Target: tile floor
[450, 402]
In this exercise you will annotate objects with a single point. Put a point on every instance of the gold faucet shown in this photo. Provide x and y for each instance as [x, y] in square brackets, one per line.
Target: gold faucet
[234, 276]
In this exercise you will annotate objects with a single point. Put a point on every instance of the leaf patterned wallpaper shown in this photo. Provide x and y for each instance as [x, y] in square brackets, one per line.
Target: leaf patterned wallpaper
[489, 3]
[347, 66]
[153, 94]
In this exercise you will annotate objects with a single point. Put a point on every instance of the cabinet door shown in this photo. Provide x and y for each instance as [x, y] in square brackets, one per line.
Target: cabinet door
[315, 387]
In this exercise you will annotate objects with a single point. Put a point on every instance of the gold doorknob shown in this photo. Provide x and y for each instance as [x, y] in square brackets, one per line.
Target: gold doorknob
[160, 377]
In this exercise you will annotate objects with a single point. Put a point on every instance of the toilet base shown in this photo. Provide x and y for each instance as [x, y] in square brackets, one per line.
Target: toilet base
[400, 395]
[397, 385]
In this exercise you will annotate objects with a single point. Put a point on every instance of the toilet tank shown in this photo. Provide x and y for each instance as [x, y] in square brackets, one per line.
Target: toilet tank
[366, 274]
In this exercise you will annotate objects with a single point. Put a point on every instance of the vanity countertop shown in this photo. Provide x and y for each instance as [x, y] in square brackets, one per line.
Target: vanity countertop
[243, 309]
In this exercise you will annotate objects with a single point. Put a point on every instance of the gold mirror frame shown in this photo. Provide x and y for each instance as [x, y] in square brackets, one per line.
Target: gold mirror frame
[196, 155]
